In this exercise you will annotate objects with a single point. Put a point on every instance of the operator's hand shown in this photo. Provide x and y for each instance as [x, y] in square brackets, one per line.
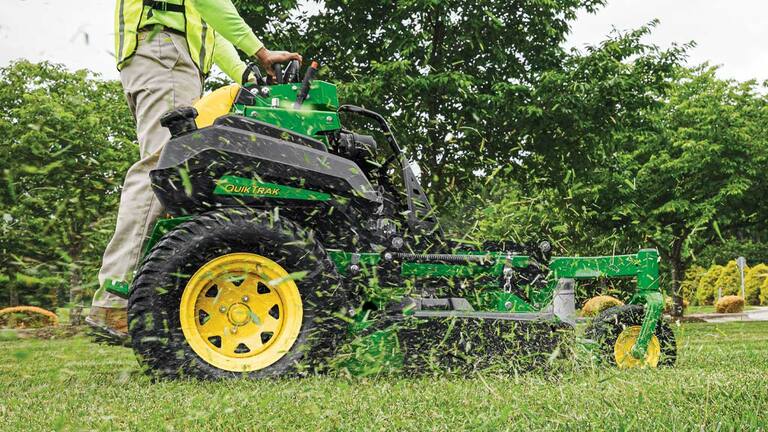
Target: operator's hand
[267, 58]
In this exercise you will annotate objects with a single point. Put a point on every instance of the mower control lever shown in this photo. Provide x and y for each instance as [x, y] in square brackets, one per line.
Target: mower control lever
[305, 83]
[291, 73]
[259, 82]
[277, 68]
[258, 78]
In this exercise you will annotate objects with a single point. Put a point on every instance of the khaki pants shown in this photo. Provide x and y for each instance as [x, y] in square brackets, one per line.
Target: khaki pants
[160, 77]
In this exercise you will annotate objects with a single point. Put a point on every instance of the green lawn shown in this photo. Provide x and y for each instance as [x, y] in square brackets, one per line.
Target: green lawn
[708, 309]
[719, 384]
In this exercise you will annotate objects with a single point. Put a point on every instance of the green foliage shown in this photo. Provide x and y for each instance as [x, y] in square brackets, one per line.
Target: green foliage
[690, 175]
[730, 280]
[755, 279]
[605, 150]
[67, 142]
[764, 293]
[690, 283]
[720, 252]
[669, 304]
[706, 293]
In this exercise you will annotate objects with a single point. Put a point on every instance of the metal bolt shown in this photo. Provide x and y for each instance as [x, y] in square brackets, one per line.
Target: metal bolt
[233, 330]
[245, 299]
[545, 247]
[329, 119]
[388, 256]
[508, 305]
[223, 309]
[354, 268]
[397, 242]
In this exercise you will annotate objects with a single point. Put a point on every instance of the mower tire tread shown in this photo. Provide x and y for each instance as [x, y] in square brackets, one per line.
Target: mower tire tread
[607, 326]
[153, 309]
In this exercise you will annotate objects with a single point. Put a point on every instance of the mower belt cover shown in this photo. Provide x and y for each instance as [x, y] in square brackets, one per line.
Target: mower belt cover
[453, 344]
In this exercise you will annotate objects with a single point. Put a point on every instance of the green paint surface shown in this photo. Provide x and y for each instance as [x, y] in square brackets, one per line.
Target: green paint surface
[162, 227]
[239, 186]
[316, 115]
[118, 288]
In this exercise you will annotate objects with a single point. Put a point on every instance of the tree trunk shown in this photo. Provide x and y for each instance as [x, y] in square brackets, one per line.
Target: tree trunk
[75, 286]
[677, 270]
[14, 298]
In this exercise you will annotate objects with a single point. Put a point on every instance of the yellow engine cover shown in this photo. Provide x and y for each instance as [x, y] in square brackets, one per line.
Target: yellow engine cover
[215, 104]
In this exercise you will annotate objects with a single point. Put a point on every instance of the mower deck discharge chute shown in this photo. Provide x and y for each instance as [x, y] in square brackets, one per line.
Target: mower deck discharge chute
[293, 243]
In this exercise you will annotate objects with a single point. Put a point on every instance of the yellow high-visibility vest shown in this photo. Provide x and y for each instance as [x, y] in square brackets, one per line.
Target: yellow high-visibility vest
[179, 15]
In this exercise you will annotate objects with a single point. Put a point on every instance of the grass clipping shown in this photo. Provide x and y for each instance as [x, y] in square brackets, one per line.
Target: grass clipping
[730, 304]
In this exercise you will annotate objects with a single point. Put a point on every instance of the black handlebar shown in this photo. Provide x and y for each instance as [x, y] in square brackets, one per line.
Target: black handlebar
[291, 73]
[305, 83]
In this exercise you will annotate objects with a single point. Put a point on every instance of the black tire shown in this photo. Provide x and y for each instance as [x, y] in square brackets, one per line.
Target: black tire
[153, 307]
[607, 326]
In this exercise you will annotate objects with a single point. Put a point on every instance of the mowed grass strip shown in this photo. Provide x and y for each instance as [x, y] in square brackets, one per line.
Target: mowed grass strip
[719, 384]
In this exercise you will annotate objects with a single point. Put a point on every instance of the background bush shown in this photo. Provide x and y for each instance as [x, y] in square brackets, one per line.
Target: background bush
[755, 279]
[730, 304]
[691, 283]
[729, 281]
[764, 293]
[595, 305]
[707, 291]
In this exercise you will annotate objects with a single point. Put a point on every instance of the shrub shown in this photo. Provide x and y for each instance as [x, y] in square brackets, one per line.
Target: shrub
[755, 279]
[691, 282]
[707, 291]
[730, 304]
[764, 293]
[27, 317]
[595, 305]
[729, 280]
[669, 304]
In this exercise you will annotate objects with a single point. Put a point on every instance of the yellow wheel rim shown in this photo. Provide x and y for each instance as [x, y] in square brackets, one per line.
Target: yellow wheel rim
[241, 312]
[622, 350]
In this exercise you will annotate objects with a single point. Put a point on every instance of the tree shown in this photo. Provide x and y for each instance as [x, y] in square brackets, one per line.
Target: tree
[435, 69]
[67, 142]
[748, 241]
[690, 176]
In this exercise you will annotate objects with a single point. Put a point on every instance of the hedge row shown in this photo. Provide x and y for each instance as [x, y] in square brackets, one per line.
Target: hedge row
[701, 285]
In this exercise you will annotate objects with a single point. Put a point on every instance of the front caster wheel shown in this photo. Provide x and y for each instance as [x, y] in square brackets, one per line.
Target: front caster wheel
[615, 330]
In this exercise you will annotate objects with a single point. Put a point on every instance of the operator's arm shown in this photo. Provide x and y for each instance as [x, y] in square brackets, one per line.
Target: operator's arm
[223, 17]
[226, 58]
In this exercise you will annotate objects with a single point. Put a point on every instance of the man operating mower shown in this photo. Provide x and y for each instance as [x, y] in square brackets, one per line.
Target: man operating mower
[164, 51]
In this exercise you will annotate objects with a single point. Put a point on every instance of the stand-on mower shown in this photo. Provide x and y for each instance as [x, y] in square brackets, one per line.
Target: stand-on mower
[292, 244]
